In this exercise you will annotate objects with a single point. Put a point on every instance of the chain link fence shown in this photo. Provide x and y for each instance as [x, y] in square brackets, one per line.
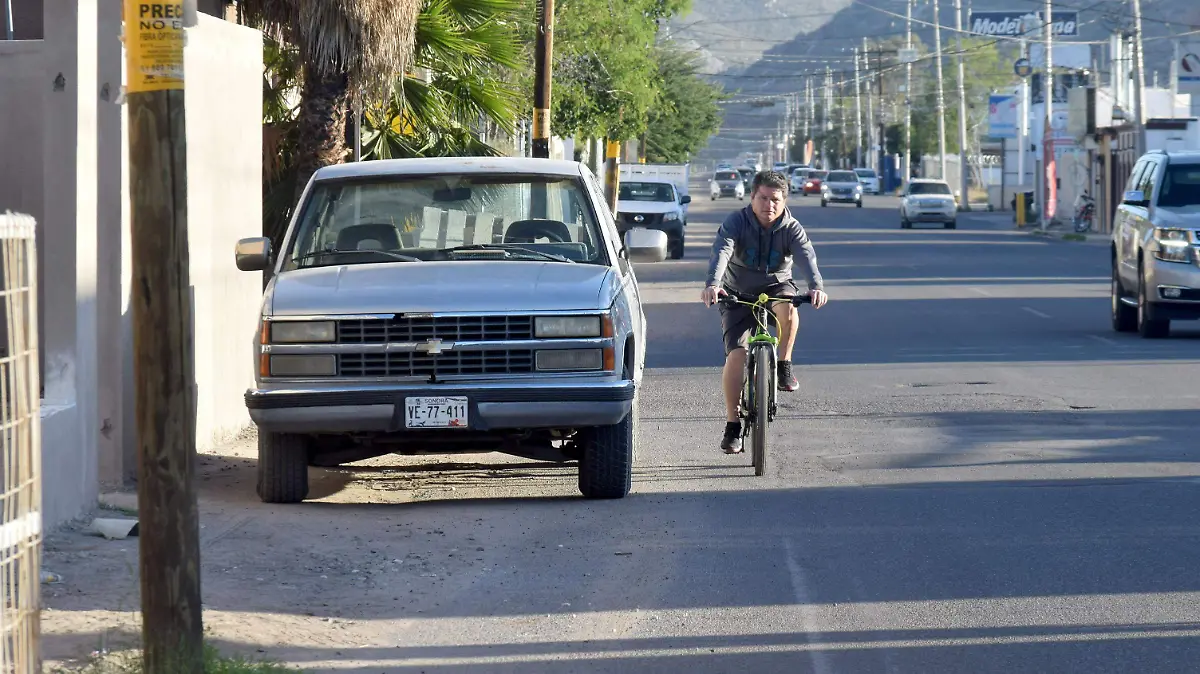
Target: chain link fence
[20, 448]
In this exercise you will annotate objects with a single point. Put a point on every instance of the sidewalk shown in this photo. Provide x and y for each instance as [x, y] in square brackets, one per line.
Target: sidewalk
[1057, 232]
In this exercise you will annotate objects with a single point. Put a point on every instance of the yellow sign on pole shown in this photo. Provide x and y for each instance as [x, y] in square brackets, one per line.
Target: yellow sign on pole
[153, 45]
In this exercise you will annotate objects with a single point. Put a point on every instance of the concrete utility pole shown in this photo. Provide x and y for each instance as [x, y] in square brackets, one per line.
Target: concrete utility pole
[1049, 204]
[870, 104]
[941, 98]
[907, 95]
[807, 107]
[881, 141]
[858, 137]
[965, 201]
[543, 61]
[165, 398]
[1139, 119]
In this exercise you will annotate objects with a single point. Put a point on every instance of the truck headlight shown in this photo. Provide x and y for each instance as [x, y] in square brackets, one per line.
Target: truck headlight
[290, 365]
[1172, 245]
[670, 217]
[550, 360]
[301, 332]
[566, 326]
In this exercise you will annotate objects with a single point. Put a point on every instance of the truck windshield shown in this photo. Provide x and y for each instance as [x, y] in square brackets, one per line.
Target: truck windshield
[1180, 187]
[646, 192]
[424, 217]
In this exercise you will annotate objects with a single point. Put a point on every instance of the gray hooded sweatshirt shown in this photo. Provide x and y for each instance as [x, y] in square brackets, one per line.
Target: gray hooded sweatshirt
[747, 256]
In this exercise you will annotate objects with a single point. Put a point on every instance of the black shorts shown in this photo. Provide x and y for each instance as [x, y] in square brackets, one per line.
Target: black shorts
[737, 321]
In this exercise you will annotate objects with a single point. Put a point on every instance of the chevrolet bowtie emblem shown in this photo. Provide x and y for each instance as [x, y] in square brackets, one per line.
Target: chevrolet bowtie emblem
[435, 346]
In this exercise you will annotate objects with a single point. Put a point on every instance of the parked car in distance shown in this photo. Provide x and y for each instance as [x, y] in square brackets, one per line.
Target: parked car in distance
[653, 203]
[1156, 245]
[928, 200]
[841, 186]
[727, 184]
[812, 182]
[869, 179]
[447, 306]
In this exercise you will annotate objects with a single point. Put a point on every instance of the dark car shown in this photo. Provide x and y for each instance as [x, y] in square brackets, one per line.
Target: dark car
[812, 183]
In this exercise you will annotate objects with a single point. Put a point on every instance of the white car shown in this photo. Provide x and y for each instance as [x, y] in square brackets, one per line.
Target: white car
[654, 203]
[869, 180]
[842, 186]
[727, 183]
[799, 175]
[449, 305]
[926, 200]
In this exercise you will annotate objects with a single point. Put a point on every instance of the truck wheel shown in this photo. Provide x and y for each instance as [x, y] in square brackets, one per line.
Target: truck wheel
[606, 466]
[1124, 317]
[1148, 327]
[282, 467]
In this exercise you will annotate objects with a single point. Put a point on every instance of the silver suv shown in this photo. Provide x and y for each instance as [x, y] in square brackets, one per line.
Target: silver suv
[1156, 245]
[456, 305]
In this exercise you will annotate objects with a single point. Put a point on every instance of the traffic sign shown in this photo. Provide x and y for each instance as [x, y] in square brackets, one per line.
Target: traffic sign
[1022, 67]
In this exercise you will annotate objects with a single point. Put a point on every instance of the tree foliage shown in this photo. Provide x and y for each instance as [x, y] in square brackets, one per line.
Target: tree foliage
[688, 110]
[470, 48]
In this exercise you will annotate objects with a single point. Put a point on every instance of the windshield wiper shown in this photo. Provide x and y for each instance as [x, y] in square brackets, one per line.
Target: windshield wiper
[509, 248]
[334, 251]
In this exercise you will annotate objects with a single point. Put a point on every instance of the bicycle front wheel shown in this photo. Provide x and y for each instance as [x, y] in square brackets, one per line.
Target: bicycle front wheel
[762, 403]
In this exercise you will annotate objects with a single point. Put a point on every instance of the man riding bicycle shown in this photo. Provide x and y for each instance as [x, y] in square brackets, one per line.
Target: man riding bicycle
[753, 254]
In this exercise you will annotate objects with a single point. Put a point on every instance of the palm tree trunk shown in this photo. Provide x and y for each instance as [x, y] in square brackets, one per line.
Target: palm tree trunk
[321, 123]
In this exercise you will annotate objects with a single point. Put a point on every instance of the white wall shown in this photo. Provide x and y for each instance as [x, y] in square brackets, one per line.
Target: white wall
[223, 70]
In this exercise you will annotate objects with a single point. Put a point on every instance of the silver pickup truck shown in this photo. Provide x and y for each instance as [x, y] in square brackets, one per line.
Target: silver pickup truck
[454, 305]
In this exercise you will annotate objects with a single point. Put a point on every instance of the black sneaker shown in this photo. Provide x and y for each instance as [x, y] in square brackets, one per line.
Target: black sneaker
[731, 442]
[787, 380]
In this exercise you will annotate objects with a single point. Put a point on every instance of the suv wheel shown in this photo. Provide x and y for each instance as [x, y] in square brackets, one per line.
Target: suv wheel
[1124, 317]
[606, 461]
[677, 248]
[1147, 325]
[282, 467]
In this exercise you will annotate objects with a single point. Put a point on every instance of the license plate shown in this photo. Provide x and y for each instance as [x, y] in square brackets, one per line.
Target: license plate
[435, 412]
[930, 204]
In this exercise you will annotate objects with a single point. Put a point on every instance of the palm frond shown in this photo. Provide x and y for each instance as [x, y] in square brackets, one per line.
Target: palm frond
[370, 40]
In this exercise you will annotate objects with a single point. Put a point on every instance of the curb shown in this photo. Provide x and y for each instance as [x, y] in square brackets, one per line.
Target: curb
[1067, 236]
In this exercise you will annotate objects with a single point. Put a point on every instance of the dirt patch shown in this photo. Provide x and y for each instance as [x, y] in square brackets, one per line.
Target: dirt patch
[377, 541]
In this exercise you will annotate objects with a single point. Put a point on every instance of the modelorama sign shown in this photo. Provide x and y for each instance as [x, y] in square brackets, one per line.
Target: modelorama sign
[1008, 24]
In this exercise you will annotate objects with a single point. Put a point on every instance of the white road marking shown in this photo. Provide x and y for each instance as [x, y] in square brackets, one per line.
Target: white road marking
[820, 659]
[1035, 312]
[1104, 340]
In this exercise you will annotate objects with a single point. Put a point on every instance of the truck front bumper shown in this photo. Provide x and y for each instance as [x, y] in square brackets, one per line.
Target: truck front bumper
[491, 407]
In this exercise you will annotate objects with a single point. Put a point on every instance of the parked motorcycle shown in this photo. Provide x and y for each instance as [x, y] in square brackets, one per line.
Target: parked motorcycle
[1085, 213]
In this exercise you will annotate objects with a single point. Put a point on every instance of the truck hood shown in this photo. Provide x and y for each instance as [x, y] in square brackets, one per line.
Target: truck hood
[1184, 217]
[509, 286]
[647, 207]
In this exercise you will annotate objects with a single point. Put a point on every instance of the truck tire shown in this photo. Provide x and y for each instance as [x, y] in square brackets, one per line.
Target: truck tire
[1124, 317]
[282, 467]
[606, 464]
[1148, 326]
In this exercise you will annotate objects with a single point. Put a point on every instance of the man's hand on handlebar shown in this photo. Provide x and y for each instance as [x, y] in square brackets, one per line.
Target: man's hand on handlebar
[818, 298]
[711, 294]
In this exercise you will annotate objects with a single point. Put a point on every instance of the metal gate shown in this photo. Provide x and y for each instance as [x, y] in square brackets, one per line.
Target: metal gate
[20, 448]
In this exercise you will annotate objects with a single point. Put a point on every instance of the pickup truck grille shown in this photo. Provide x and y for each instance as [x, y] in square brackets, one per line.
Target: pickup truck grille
[444, 364]
[647, 218]
[445, 328]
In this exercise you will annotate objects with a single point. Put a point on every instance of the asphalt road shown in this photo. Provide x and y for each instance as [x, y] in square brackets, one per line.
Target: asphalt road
[977, 475]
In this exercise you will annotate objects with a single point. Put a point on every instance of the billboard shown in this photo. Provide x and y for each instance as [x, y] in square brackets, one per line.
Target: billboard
[1002, 116]
[1008, 23]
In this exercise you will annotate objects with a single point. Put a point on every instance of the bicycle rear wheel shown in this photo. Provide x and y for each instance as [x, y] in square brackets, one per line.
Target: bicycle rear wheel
[762, 404]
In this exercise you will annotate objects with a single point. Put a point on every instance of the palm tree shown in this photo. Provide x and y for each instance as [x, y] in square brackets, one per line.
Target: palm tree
[344, 45]
[471, 51]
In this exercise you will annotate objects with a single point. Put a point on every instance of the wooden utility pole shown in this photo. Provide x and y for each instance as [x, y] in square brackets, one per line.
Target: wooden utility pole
[169, 554]
[543, 62]
[612, 178]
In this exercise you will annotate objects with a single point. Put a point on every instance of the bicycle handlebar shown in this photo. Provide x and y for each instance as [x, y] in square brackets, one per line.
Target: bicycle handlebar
[733, 298]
